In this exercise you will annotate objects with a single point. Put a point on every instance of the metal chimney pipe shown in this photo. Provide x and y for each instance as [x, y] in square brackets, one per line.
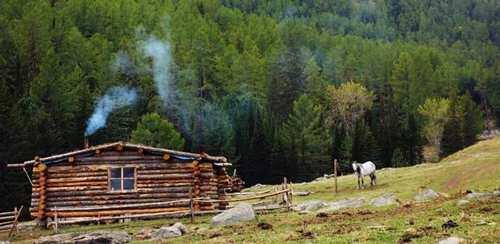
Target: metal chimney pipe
[86, 142]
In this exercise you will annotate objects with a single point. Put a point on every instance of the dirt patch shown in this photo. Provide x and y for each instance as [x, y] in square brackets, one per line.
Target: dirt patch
[344, 229]
[214, 235]
[363, 212]
[453, 183]
[486, 209]
[413, 233]
[264, 226]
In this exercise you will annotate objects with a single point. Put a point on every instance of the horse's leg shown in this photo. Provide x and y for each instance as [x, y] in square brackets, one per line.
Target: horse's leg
[362, 182]
[371, 179]
[374, 178]
[359, 185]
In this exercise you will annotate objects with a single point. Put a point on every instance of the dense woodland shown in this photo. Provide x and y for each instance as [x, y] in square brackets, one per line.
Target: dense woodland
[281, 87]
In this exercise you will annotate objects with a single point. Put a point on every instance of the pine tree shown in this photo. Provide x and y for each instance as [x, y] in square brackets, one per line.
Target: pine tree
[154, 131]
[464, 125]
[398, 159]
[473, 120]
[306, 139]
[453, 134]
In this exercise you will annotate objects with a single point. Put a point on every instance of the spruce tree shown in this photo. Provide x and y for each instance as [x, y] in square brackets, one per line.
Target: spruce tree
[307, 139]
[154, 131]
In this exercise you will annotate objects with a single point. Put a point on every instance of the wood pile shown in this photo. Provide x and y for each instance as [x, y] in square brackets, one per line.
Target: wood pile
[237, 184]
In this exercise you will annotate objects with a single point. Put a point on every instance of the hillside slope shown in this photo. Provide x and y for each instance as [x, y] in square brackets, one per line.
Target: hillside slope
[476, 168]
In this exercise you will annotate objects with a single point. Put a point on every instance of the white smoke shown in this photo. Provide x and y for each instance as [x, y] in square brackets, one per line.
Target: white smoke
[115, 97]
[160, 52]
[122, 63]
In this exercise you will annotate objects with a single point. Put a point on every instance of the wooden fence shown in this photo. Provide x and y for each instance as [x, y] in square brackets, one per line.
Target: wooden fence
[8, 221]
[283, 193]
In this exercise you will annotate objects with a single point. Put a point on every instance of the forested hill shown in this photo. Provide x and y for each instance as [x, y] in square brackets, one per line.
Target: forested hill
[280, 87]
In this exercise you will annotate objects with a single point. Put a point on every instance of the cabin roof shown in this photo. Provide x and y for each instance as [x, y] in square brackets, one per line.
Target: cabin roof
[216, 160]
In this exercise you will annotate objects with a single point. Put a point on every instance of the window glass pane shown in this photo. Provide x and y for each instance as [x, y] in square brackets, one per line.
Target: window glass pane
[116, 173]
[128, 184]
[116, 185]
[128, 172]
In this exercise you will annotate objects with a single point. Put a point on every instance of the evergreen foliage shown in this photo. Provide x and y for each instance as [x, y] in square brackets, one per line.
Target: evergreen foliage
[154, 131]
[247, 77]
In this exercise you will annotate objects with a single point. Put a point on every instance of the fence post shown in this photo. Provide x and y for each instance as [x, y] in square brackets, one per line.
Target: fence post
[191, 205]
[335, 174]
[285, 197]
[56, 221]
[13, 229]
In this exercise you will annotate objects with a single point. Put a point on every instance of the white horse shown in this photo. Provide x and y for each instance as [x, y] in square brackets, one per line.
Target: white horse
[364, 169]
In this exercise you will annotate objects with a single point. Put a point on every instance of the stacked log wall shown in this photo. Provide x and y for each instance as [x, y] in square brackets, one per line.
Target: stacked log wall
[83, 185]
[223, 185]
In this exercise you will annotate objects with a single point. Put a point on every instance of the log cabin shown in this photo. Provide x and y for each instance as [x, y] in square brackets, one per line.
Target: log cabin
[118, 179]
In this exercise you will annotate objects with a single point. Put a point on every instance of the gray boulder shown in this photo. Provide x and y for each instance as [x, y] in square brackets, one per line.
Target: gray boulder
[426, 195]
[241, 212]
[452, 240]
[178, 229]
[346, 203]
[310, 206]
[481, 195]
[384, 200]
[115, 237]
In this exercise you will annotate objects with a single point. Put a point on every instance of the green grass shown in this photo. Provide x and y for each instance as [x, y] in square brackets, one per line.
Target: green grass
[475, 168]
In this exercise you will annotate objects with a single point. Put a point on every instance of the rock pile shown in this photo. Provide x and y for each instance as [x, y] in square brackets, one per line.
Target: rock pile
[426, 195]
[114, 237]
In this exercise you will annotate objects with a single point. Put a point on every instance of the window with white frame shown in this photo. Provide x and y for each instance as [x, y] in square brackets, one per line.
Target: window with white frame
[122, 179]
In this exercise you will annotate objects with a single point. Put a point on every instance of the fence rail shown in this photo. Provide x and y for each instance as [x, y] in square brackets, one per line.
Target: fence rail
[284, 192]
[8, 221]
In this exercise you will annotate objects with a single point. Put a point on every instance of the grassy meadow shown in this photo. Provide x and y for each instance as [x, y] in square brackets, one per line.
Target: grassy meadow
[476, 168]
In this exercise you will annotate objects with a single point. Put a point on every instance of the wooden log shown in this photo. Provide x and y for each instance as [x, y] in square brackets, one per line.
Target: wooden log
[107, 202]
[113, 212]
[5, 227]
[7, 213]
[83, 183]
[163, 171]
[166, 156]
[97, 165]
[7, 217]
[135, 216]
[121, 158]
[170, 181]
[76, 188]
[78, 174]
[119, 147]
[6, 223]
[151, 185]
[167, 176]
[78, 179]
[41, 168]
[247, 198]
[103, 193]
[183, 202]
[123, 196]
